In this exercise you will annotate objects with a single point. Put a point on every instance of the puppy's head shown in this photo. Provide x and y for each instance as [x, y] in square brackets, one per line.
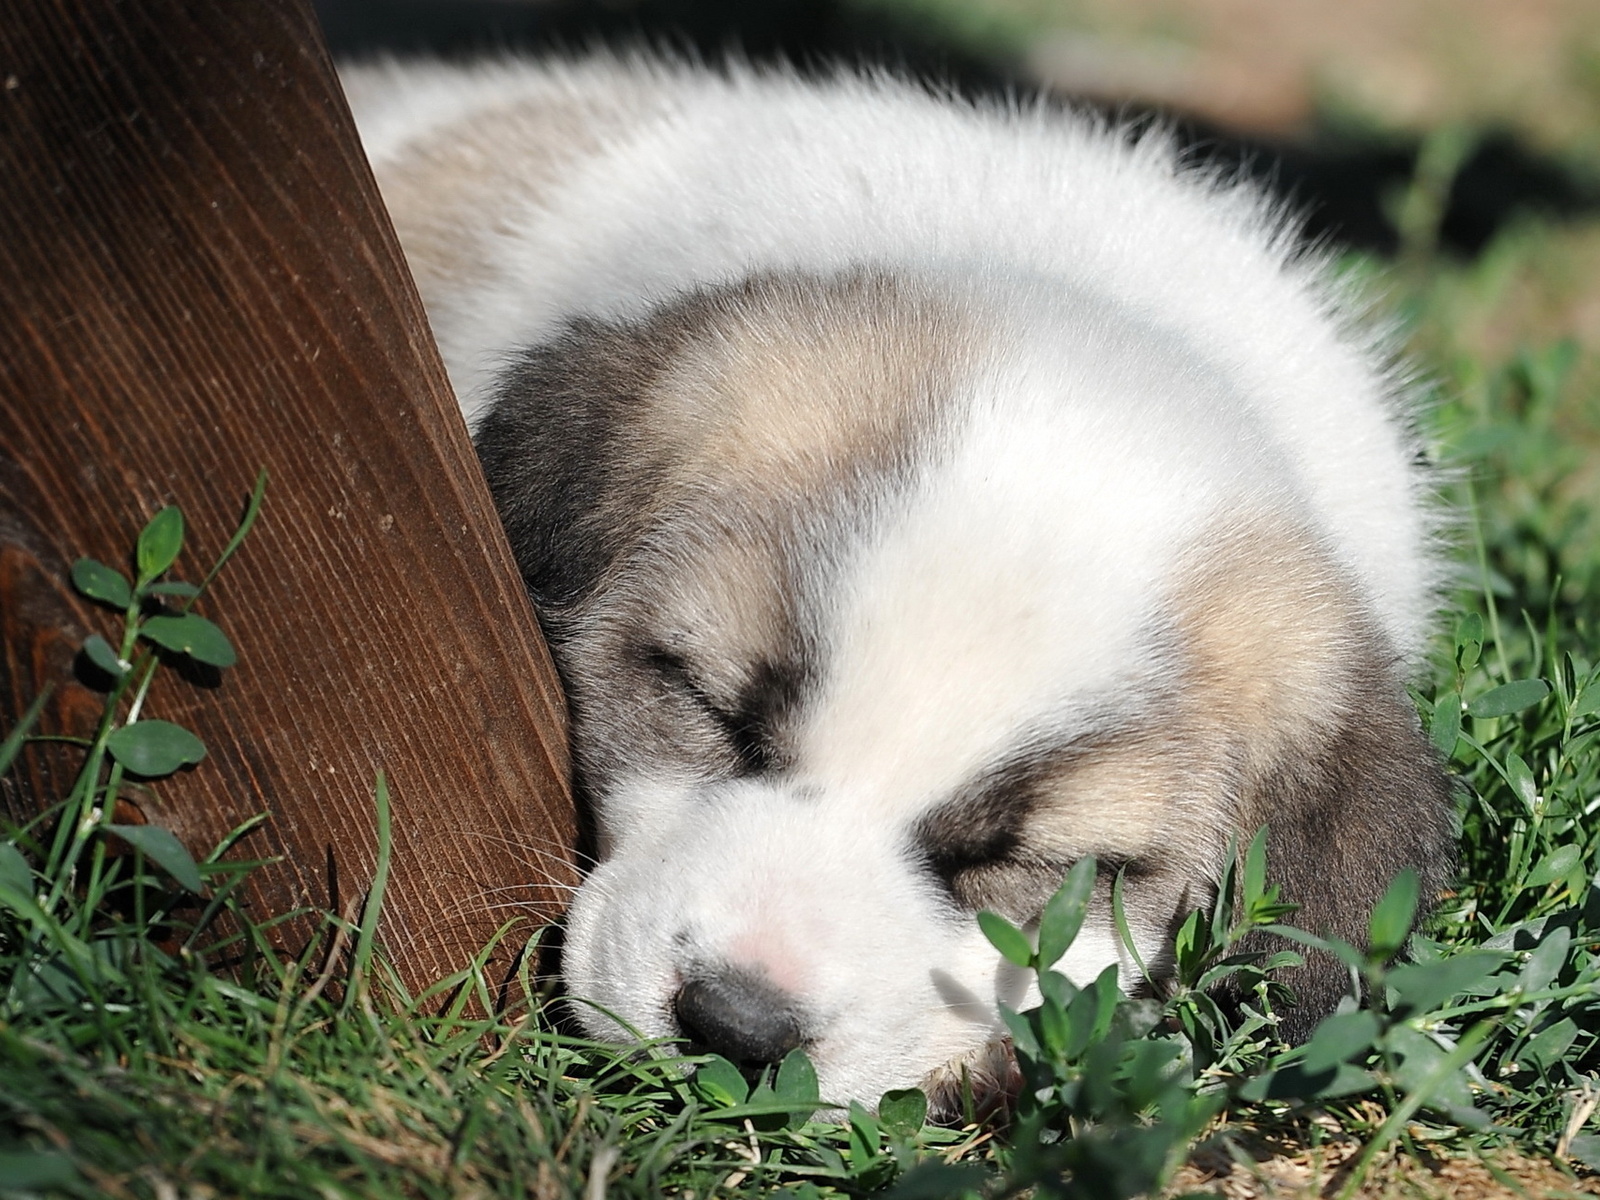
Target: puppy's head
[874, 610]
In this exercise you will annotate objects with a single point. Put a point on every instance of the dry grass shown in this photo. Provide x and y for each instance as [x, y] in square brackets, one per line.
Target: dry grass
[1261, 1169]
[1310, 1156]
[1532, 66]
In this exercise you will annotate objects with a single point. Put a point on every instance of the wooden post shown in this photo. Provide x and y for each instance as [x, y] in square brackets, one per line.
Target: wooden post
[197, 280]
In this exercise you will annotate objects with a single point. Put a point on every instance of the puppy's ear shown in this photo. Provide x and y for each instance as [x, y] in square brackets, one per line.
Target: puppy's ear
[571, 464]
[1368, 798]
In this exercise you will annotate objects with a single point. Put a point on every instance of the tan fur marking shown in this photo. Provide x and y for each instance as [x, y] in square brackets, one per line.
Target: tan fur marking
[801, 377]
[1262, 622]
[793, 385]
[1120, 796]
[1266, 621]
[449, 191]
[734, 587]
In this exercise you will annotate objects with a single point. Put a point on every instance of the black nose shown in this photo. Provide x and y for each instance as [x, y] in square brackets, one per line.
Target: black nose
[738, 1015]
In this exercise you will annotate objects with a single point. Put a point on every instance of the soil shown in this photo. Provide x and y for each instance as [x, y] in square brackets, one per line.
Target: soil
[1268, 1170]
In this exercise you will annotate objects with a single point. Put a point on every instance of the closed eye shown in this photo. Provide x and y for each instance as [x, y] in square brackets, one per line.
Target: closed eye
[742, 730]
[1011, 881]
[975, 843]
[976, 853]
[952, 858]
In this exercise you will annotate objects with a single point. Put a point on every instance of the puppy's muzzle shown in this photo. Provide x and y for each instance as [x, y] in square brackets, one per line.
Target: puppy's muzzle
[739, 1015]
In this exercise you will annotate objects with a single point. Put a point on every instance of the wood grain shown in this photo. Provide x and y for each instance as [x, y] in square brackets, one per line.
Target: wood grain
[197, 280]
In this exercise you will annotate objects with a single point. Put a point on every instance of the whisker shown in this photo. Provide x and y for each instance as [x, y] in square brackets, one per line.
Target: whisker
[562, 855]
[480, 902]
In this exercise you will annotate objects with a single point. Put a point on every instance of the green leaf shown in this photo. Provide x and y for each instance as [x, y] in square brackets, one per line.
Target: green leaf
[1469, 641]
[1338, 1039]
[1579, 748]
[865, 1127]
[100, 582]
[26, 907]
[155, 748]
[1424, 1072]
[762, 1094]
[1424, 987]
[1546, 961]
[1006, 938]
[1055, 1028]
[1586, 1149]
[98, 651]
[30, 1171]
[14, 870]
[1185, 946]
[1057, 986]
[1521, 780]
[1294, 1082]
[796, 1082]
[1107, 996]
[1550, 1045]
[1119, 915]
[1509, 698]
[252, 510]
[1081, 1020]
[1392, 917]
[1064, 912]
[166, 851]
[1255, 868]
[1578, 883]
[1553, 866]
[1338, 947]
[173, 587]
[193, 635]
[1545, 370]
[903, 1111]
[1444, 726]
[931, 1179]
[1221, 920]
[367, 929]
[720, 1082]
[1022, 1037]
[1587, 702]
[159, 543]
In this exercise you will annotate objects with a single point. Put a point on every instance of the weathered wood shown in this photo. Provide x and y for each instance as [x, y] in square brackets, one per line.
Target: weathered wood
[197, 280]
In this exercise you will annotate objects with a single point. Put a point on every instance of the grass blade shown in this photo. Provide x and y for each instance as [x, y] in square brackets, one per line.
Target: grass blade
[14, 741]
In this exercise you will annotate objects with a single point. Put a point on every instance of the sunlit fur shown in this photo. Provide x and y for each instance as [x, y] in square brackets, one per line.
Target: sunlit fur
[918, 496]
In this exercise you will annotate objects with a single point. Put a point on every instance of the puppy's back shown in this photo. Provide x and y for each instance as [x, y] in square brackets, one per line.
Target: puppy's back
[530, 195]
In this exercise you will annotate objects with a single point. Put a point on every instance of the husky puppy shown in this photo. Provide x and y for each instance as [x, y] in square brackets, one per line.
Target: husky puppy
[918, 496]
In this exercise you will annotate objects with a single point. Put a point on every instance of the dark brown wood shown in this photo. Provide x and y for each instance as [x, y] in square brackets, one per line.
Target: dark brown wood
[197, 280]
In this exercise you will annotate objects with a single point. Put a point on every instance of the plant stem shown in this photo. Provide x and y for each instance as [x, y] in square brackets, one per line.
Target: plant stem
[1488, 592]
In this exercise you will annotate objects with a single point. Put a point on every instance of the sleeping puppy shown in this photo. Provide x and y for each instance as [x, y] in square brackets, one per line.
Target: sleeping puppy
[918, 497]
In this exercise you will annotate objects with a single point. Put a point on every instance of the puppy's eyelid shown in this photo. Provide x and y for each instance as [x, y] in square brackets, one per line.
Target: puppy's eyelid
[744, 733]
[951, 859]
[661, 660]
[674, 668]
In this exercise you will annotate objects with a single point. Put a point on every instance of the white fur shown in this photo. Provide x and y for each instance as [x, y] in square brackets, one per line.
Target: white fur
[1155, 359]
[966, 620]
[753, 172]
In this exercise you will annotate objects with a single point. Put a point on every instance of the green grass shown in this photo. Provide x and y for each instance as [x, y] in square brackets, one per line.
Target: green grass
[195, 1061]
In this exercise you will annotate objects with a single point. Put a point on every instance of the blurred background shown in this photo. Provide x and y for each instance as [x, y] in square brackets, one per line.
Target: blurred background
[1329, 99]
[1453, 145]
